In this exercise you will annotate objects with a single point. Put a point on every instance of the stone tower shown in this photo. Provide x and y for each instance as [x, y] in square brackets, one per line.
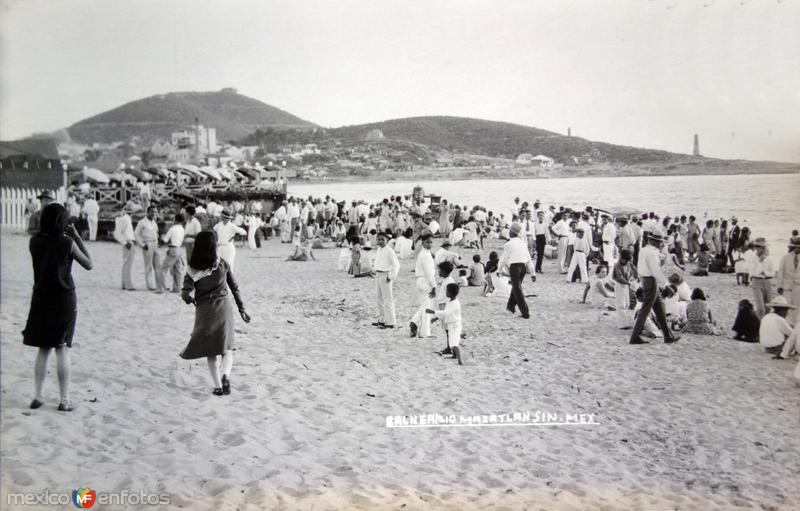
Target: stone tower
[696, 151]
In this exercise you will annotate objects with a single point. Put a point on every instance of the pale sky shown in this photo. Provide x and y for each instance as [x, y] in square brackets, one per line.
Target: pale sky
[647, 73]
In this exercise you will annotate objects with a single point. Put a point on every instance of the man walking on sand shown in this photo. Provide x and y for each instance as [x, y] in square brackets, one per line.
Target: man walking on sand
[517, 259]
[386, 268]
[649, 269]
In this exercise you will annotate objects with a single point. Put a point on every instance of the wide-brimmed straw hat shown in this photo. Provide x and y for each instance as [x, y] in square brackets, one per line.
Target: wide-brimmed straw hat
[780, 302]
[654, 236]
[47, 194]
[516, 228]
[760, 242]
[226, 213]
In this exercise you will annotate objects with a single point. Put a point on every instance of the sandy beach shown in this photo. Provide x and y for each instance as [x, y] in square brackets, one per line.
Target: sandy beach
[707, 423]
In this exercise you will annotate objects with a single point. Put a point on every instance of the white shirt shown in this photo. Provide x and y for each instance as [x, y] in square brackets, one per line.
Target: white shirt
[386, 260]
[609, 233]
[193, 228]
[90, 207]
[540, 228]
[514, 251]
[587, 231]
[433, 226]
[451, 315]
[293, 211]
[424, 268]
[650, 264]
[774, 330]
[146, 231]
[561, 228]
[403, 247]
[762, 268]
[123, 229]
[174, 236]
[479, 215]
[227, 232]
[443, 255]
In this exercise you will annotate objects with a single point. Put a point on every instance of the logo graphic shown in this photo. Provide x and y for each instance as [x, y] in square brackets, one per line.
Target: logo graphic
[83, 497]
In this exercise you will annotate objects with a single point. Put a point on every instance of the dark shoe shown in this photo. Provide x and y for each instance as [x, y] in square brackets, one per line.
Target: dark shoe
[526, 316]
[217, 391]
[446, 351]
[226, 385]
[413, 329]
[384, 327]
[626, 328]
[378, 323]
[639, 340]
[670, 340]
[36, 404]
[65, 407]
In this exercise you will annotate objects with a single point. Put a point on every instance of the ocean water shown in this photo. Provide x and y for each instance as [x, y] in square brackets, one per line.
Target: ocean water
[769, 204]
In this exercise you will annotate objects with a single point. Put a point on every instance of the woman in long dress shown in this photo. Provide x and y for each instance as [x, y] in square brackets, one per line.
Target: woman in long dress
[54, 303]
[210, 277]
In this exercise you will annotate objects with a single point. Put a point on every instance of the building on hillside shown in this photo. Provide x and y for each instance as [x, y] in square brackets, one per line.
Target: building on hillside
[310, 149]
[375, 134]
[161, 148]
[524, 159]
[543, 161]
[32, 163]
[200, 140]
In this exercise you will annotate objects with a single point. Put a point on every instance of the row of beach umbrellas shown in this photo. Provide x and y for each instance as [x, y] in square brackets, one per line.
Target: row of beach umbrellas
[131, 175]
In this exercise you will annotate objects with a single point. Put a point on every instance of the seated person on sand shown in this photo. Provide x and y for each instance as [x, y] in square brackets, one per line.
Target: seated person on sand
[445, 254]
[774, 329]
[477, 272]
[338, 233]
[698, 315]
[746, 324]
[302, 247]
[683, 290]
[462, 277]
[703, 260]
[650, 328]
[361, 264]
[601, 289]
[402, 245]
[459, 237]
[674, 308]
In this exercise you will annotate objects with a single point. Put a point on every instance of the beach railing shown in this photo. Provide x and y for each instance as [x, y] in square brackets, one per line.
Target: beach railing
[15, 200]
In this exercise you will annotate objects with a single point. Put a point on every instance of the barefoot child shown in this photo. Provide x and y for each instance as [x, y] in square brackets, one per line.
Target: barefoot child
[451, 319]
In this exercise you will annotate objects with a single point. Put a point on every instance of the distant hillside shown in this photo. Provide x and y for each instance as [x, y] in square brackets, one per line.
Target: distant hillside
[233, 115]
[497, 139]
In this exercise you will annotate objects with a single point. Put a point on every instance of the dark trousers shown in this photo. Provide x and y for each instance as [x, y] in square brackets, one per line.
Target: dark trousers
[516, 272]
[651, 302]
[541, 241]
[635, 254]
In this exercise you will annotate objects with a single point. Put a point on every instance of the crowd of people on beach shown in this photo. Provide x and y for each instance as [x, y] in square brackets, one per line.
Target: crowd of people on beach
[636, 265]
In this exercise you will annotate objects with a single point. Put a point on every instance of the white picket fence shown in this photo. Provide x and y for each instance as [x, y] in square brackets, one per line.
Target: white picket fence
[14, 200]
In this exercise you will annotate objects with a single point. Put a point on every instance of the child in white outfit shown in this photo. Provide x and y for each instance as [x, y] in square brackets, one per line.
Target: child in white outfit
[451, 319]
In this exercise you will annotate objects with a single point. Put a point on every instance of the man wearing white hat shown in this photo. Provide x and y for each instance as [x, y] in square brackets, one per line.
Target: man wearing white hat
[146, 233]
[774, 329]
[761, 273]
[517, 259]
[226, 233]
[609, 237]
[91, 209]
[788, 280]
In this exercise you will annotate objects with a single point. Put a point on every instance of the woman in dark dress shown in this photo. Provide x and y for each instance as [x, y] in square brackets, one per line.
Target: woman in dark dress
[212, 336]
[54, 304]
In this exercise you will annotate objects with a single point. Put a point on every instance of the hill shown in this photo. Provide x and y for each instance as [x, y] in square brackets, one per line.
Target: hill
[496, 139]
[232, 114]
